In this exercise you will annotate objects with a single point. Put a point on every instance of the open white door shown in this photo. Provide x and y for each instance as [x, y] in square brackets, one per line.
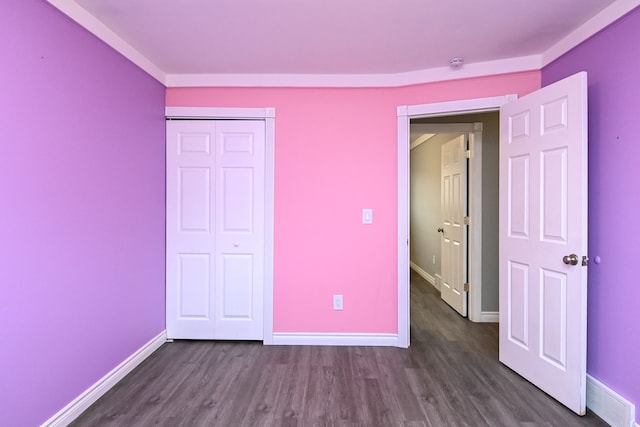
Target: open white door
[543, 239]
[453, 242]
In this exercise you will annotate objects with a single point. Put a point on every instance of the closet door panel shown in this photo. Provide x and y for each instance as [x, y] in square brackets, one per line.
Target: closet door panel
[189, 230]
[240, 229]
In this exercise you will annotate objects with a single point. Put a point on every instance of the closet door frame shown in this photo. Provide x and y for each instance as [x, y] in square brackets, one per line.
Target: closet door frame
[269, 117]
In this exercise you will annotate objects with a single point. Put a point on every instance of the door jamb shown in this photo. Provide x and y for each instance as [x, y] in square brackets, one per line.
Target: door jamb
[269, 117]
[405, 113]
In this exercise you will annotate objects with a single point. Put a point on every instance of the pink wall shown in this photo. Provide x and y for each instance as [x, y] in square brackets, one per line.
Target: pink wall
[336, 153]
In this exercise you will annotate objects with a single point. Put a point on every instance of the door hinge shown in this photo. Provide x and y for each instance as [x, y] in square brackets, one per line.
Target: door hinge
[466, 287]
[466, 220]
[467, 154]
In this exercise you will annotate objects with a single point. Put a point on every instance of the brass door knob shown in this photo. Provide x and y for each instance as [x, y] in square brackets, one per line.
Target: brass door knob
[570, 259]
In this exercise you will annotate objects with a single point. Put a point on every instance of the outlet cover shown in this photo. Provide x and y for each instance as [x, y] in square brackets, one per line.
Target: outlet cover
[338, 302]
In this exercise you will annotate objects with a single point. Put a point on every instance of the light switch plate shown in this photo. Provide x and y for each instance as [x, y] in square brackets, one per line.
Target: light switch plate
[367, 216]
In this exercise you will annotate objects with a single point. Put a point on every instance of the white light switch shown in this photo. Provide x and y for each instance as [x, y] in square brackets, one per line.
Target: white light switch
[367, 216]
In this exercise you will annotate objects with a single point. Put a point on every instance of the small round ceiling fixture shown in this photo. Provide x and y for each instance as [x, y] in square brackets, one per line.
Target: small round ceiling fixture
[456, 62]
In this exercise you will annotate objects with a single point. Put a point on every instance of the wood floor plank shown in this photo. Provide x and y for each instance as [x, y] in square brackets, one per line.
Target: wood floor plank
[290, 403]
[450, 376]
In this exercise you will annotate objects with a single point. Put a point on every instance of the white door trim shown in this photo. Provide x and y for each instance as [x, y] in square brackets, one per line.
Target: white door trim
[405, 113]
[475, 227]
[219, 113]
[269, 116]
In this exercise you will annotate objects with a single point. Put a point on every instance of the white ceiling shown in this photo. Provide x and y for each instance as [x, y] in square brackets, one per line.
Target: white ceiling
[173, 38]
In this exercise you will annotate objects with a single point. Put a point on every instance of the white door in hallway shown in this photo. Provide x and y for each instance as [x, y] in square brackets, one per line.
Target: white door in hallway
[215, 229]
[453, 240]
[543, 239]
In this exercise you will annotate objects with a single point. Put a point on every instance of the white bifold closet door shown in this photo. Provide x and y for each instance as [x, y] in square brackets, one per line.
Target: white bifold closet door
[215, 229]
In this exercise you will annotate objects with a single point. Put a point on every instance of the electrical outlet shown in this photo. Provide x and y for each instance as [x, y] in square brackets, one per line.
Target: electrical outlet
[434, 260]
[337, 302]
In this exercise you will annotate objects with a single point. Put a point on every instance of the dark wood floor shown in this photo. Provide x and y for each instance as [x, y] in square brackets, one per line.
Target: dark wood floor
[450, 376]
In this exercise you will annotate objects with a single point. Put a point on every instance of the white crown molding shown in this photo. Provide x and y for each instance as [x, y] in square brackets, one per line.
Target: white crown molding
[502, 66]
[606, 17]
[104, 33]
[511, 65]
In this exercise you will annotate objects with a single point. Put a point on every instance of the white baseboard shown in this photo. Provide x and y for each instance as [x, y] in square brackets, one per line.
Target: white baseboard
[426, 276]
[489, 317]
[609, 405]
[437, 283]
[73, 410]
[294, 338]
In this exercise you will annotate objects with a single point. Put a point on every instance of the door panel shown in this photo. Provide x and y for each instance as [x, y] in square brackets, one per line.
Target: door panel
[194, 189]
[189, 230]
[518, 307]
[553, 195]
[237, 200]
[194, 289]
[553, 297]
[518, 215]
[240, 229]
[543, 209]
[454, 237]
[237, 286]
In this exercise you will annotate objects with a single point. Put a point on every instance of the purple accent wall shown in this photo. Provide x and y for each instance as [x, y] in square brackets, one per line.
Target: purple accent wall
[612, 61]
[81, 210]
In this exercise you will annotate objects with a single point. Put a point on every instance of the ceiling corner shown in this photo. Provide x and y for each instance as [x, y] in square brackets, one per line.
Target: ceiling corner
[606, 17]
[97, 28]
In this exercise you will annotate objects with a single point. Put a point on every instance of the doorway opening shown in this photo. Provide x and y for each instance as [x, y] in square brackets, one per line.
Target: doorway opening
[477, 267]
[446, 112]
